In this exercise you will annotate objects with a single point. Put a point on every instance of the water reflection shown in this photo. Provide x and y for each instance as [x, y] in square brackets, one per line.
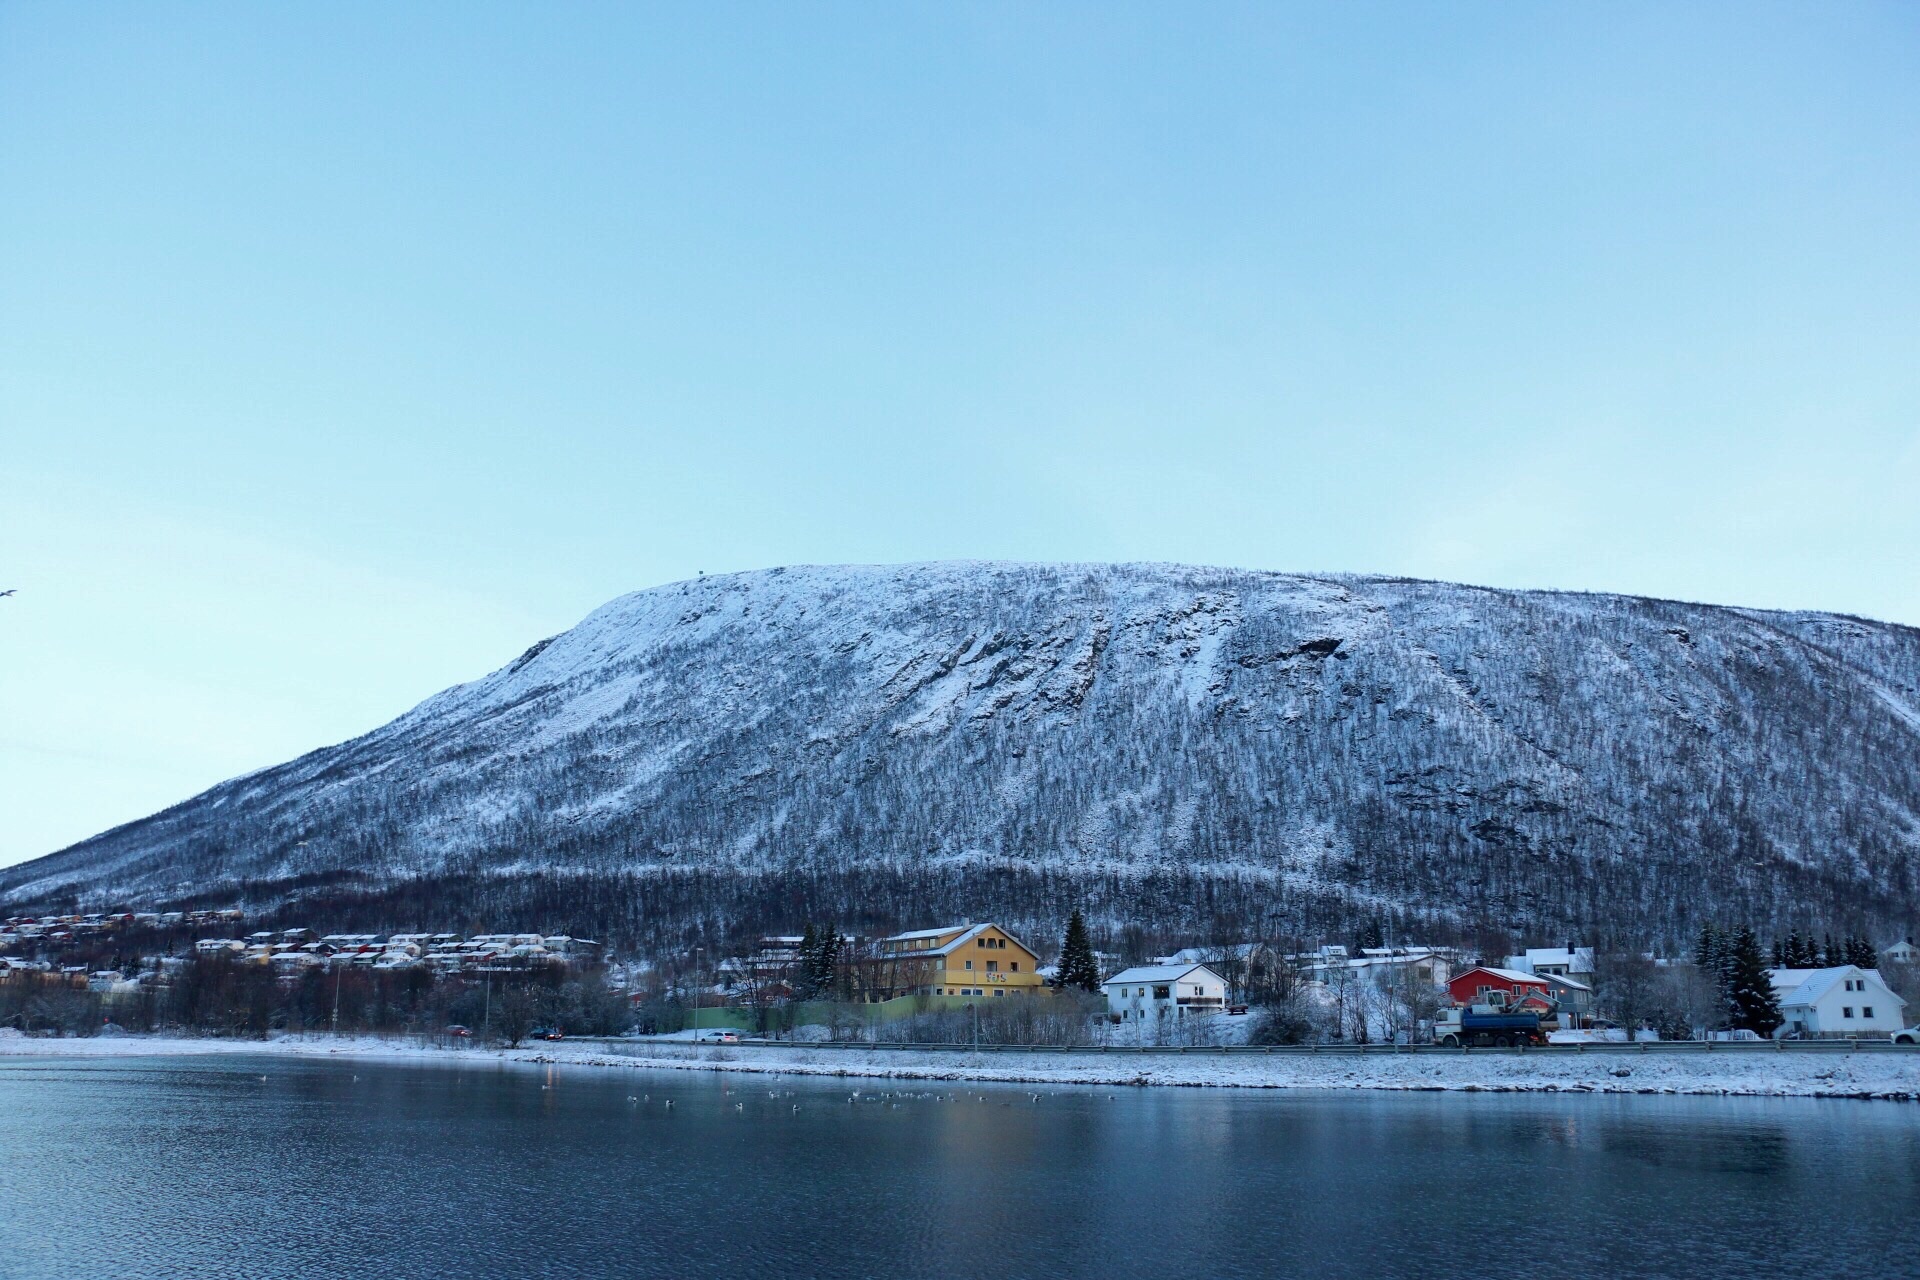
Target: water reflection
[268, 1166]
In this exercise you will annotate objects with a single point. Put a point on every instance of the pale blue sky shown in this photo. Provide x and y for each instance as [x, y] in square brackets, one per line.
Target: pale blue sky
[345, 352]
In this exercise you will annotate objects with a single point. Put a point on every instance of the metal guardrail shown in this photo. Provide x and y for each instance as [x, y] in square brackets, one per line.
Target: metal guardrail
[1308, 1050]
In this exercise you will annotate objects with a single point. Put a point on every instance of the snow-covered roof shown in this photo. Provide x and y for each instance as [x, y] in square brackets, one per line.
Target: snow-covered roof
[968, 934]
[1508, 975]
[1562, 980]
[1157, 973]
[1201, 955]
[917, 934]
[1573, 959]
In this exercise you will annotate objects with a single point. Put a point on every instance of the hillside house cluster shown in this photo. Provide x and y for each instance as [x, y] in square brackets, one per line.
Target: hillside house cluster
[20, 932]
[291, 950]
[1332, 963]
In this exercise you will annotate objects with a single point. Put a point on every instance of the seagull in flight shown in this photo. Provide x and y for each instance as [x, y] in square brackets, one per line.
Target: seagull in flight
[9, 591]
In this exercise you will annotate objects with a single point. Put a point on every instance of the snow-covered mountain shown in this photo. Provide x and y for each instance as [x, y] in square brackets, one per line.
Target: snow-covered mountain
[1176, 747]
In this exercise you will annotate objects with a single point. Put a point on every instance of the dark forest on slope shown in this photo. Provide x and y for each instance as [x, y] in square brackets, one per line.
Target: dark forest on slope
[1186, 752]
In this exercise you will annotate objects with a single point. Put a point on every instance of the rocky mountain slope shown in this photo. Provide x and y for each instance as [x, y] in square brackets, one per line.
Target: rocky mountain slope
[1180, 748]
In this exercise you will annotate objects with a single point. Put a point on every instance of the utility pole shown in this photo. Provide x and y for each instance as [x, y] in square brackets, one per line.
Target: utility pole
[336, 994]
[486, 1011]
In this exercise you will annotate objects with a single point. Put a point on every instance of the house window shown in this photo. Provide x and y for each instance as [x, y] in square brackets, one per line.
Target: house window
[969, 964]
[1866, 1011]
[993, 966]
[1016, 966]
[1846, 1011]
[1160, 993]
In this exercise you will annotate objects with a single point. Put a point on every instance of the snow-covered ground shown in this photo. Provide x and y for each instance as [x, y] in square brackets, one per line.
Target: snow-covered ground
[1861, 1075]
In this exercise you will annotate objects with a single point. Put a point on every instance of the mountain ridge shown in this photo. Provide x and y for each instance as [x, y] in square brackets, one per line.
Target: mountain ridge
[1178, 746]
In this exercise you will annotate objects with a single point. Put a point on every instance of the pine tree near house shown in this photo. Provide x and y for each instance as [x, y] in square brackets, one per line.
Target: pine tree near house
[1079, 971]
[1862, 953]
[1779, 954]
[1751, 1003]
[1709, 953]
[819, 959]
[1829, 954]
[1801, 952]
[803, 980]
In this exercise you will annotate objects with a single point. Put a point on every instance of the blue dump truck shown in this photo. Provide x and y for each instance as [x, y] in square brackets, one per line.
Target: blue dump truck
[1487, 1028]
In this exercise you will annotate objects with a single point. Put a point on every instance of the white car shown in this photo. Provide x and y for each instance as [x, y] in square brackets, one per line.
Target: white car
[720, 1037]
[1910, 1036]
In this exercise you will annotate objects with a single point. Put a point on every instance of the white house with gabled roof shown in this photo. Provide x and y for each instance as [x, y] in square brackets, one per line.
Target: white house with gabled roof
[1567, 962]
[1153, 991]
[1842, 1001]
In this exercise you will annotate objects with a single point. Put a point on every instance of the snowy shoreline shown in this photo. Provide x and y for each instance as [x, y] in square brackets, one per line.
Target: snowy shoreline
[1894, 1077]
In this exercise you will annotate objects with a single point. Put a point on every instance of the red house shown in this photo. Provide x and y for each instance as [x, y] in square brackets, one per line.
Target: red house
[1505, 987]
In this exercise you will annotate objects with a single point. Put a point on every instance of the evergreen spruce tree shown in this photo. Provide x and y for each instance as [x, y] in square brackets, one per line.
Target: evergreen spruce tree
[1861, 952]
[803, 981]
[1706, 951]
[1779, 954]
[1751, 1003]
[829, 957]
[1800, 951]
[1078, 969]
[1829, 953]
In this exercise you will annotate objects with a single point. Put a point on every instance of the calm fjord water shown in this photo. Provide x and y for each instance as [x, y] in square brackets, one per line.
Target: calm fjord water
[202, 1167]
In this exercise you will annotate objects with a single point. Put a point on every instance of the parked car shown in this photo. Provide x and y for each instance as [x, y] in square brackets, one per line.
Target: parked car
[719, 1036]
[1910, 1036]
[457, 1031]
[1738, 1034]
[548, 1033]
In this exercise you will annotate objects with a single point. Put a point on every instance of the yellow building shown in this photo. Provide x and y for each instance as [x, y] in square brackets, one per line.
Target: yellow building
[961, 960]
